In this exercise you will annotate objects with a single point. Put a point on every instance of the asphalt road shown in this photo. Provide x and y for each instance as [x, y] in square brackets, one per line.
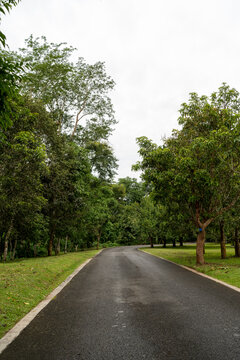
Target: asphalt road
[126, 304]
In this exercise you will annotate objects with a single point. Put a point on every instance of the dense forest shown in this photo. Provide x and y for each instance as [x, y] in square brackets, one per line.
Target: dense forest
[57, 186]
[57, 189]
[57, 167]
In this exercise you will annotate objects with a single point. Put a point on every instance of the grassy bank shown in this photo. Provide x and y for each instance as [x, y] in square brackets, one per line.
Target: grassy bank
[227, 270]
[24, 283]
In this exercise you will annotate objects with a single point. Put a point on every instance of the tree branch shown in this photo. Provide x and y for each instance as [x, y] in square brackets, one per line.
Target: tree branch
[78, 114]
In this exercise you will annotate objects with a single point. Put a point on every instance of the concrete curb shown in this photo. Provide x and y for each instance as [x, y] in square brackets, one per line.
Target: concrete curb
[196, 272]
[25, 321]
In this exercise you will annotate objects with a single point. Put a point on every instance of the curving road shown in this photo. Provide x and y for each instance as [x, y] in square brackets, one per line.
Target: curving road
[126, 304]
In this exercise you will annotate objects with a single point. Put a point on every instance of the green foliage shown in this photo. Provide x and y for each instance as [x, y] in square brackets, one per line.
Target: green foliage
[198, 167]
[9, 76]
[135, 191]
[129, 225]
[57, 165]
[55, 171]
[9, 73]
[76, 96]
[6, 6]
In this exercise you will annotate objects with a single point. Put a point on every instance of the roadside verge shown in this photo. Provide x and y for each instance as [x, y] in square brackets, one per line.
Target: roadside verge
[25, 321]
[195, 271]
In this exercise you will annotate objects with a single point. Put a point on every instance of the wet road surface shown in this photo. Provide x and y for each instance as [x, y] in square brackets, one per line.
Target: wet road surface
[126, 304]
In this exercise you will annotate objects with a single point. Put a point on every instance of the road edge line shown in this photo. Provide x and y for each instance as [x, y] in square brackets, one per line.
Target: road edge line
[15, 331]
[196, 272]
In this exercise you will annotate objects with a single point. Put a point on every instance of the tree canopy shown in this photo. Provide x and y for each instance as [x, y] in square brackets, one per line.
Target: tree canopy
[198, 167]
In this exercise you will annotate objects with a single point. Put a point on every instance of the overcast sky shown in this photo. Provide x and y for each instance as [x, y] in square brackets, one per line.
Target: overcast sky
[157, 51]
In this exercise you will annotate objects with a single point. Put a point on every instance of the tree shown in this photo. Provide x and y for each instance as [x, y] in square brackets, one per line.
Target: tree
[9, 77]
[102, 159]
[98, 212]
[56, 118]
[135, 190]
[233, 228]
[9, 72]
[22, 163]
[76, 96]
[74, 90]
[149, 218]
[174, 225]
[199, 166]
[130, 220]
[129, 224]
[64, 184]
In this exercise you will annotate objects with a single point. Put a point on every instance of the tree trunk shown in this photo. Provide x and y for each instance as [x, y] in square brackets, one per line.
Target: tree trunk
[1, 247]
[151, 241]
[76, 248]
[5, 251]
[6, 241]
[181, 241]
[164, 243]
[236, 243]
[222, 240]
[174, 243]
[66, 243]
[57, 248]
[200, 246]
[14, 249]
[51, 239]
[35, 250]
[98, 240]
[10, 248]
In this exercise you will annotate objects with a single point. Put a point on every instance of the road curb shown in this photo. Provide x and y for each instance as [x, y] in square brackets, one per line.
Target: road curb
[25, 321]
[196, 272]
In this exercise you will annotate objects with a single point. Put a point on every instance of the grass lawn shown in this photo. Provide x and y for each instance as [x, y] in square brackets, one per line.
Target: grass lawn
[24, 283]
[227, 270]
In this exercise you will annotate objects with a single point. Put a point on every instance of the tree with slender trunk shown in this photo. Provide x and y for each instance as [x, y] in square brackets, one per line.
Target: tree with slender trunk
[222, 240]
[66, 245]
[236, 242]
[181, 241]
[151, 241]
[58, 247]
[5, 252]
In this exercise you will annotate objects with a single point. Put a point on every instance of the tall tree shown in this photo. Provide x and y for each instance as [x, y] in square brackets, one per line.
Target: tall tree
[9, 72]
[199, 166]
[76, 95]
[22, 163]
[63, 185]
[99, 208]
[148, 221]
[10, 68]
[69, 90]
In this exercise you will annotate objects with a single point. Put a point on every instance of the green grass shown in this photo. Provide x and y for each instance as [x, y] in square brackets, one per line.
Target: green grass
[24, 283]
[227, 270]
